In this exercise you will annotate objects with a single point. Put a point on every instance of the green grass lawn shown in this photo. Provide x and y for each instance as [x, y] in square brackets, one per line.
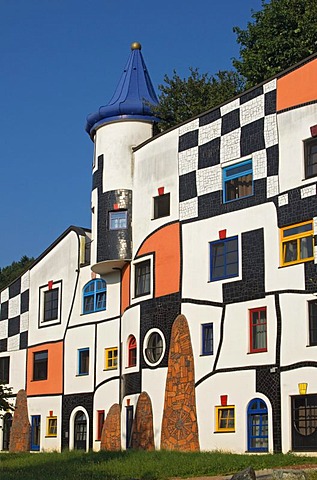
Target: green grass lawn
[135, 465]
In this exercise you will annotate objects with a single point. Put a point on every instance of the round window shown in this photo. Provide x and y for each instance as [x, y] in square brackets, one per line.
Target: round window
[155, 347]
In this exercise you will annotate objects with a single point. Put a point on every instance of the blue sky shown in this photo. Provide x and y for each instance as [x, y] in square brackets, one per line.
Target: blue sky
[60, 61]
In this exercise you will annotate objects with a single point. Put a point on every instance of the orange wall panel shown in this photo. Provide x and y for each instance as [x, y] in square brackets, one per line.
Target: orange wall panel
[125, 287]
[165, 242]
[297, 87]
[54, 382]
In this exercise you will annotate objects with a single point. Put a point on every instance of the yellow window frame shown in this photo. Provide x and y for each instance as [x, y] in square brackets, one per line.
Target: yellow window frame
[111, 358]
[225, 418]
[51, 426]
[296, 237]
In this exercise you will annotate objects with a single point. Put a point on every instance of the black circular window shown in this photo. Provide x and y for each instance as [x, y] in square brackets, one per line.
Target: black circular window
[154, 349]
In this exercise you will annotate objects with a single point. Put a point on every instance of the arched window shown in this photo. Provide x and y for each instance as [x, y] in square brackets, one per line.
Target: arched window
[257, 426]
[94, 296]
[132, 351]
[80, 431]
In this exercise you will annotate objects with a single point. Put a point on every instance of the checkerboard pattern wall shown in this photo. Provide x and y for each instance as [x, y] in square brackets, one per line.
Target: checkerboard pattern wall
[243, 128]
[14, 315]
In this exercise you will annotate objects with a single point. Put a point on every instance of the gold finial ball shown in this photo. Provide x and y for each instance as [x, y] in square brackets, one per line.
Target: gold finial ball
[136, 46]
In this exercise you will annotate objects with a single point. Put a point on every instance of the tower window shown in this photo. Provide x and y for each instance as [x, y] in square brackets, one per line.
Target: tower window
[118, 220]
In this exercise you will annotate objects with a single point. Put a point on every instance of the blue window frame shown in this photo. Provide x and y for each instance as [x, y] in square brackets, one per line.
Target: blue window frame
[83, 361]
[224, 261]
[118, 220]
[237, 181]
[94, 296]
[35, 433]
[207, 331]
[257, 426]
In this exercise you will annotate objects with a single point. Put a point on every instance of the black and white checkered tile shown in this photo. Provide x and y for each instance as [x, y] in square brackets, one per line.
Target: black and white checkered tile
[14, 315]
[245, 127]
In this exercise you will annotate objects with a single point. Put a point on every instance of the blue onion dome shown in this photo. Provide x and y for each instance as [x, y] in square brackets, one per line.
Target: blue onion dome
[133, 98]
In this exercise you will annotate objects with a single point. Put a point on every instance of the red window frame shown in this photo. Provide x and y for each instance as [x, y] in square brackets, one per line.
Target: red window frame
[100, 420]
[256, 323]
[132, 351]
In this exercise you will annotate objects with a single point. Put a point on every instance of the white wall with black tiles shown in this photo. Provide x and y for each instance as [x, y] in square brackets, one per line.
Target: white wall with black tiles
[14, 315]
[243, 128]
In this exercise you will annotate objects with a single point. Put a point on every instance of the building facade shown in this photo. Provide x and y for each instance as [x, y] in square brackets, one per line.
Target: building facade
[186, 318]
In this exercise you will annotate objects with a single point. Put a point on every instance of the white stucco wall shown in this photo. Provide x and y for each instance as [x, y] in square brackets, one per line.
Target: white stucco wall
[294, 127]
[116, 140]
[78, 338]
[240, 392]
[59, 264]
[42, 406]
[155, 166]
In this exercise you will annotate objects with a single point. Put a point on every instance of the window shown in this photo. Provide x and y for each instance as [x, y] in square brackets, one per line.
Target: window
[132, 351]
[258, 330]
[224, 259]
[225, 419]
[83, 361]
[118, 220]
[40, 361]
[207, 339]
[51, 426]
[51, 304]
[162, 205]
[310, 154]
[257, 426]
[312, 309]
[100, 421]
[154, 347]
[297, 243]
[142, 278]
[237, 181]
[95, 296]
[111, 358]
[4, 369]
[50, 296]
[35, 432]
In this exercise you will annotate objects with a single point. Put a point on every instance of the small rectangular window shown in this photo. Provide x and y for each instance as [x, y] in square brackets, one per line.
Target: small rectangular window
[51, 426]
[225, 419]
[83, 361]
[237, 181]
[310, 154]
[118, 220]
[224, 259]
[207, 339]
[142, 278]
[297, 243]
[51, 305]
[111, 358]
[258, 327]
[161, 205]
[40, 361]
[312, 308]
[100, 421]
[4, 369]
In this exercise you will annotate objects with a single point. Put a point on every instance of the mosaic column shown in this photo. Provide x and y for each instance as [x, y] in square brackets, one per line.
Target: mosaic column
[179, 424]
[111, 430]
[142, 432]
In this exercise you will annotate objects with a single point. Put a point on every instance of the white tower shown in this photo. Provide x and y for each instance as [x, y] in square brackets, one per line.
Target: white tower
[116, 128]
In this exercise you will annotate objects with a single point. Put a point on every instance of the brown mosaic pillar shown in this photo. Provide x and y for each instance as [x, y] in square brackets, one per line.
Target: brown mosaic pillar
[20, 430]
[142, 432]
[111, 430]
[179, 424]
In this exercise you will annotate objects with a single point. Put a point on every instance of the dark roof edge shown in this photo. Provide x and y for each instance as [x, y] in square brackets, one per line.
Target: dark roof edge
[80, 231]
[278, 75]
